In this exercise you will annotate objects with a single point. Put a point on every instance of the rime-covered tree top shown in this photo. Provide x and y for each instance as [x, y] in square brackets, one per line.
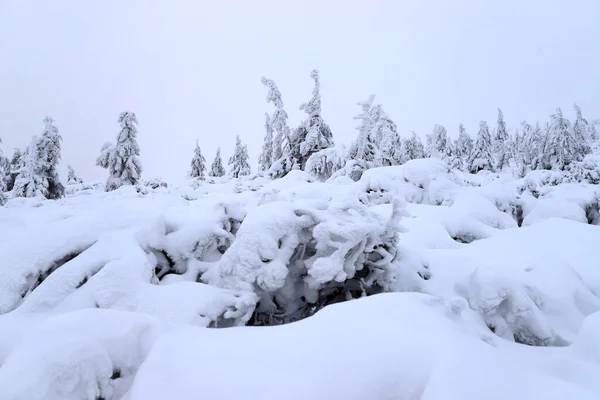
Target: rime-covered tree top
[313, 107]
[216, 168]
[265, 160]
[125, 166]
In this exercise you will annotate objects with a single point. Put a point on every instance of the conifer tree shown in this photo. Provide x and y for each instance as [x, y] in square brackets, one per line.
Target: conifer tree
[282, 159]
[239, 160]
[29, 183]
[455, 161]
[364, 147]
[438, 142]
[124, 164]
[501, 151]
[103, 159]
[581, 132]
[414, 147]
[216, 168]
[4, 176]
[389, 150]
[15, 166]
[48, 149]
[481, 156]
[198, 164]
[72, 178]
[313, 134]
[265, 160]
[464, 143]
[561, 148]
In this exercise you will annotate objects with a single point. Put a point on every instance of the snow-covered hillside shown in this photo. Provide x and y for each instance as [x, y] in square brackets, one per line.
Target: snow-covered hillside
[414, 282]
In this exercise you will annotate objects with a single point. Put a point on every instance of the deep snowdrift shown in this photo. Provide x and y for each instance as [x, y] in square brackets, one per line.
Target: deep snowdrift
[112, 295]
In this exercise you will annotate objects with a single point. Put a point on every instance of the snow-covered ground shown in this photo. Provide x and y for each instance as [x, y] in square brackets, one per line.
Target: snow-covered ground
[226, 289]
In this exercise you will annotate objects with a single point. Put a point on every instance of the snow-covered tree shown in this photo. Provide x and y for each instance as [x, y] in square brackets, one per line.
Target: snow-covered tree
[364, 147]
[453, 158]
[464, 143]
[216, 168]
[103, 159]
[581, 131]
[48, 156]
[124, 164]
[15, 166]
[501, 152]
[481, 157]
[198, 164]
[4, 175]
[265, 160]
[282, 160]
[389, 149]
[414, 147]
[326, 162]
[29, 182]
[561, 148]
[313, 134]
[72, 178]
[593, 133]
[238, 162]
[437, 142]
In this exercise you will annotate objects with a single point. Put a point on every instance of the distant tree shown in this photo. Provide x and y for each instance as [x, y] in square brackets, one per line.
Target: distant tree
[13, 170]
[72, 178]
[265, 160]
[216, 168]
[198, 164]
[437, 142]
[238, 162]
[414, 147]
[124, 164]
[4, 176]
[49, 155]
[593, 133]
[313, 134]
[103, 159]
[282, 159]
[389, 149]
[364, 147]
[464, 143]
[501, 151]
[481, 156]
[581, 132]
[29, 182]
[561, 148]
[453, 157]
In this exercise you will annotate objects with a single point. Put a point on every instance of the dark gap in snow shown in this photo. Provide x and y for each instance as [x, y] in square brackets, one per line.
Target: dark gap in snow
[592, 213]
[36, 280]
[116, 374]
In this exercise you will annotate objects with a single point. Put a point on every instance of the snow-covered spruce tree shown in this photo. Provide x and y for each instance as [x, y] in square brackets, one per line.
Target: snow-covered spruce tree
[561, 147]
[437, 142]
[454, 160]
[282, 160]
[581, 132]
[313, 134]
[15, 166]
[198, 164]
[4, 176]
[124, 164]
[593, 133]
[533, 145]
[238, 162]
[364, 147]
[72, 178]
[501, 151]
[265, 159]
[29, 182]
[481, 157]
[385, 134]
[464, 143]
[48, 149]
[216, 168]
[103, 159]
[414, 147]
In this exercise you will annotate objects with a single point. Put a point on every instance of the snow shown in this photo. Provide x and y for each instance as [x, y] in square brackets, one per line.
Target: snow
[165, 291]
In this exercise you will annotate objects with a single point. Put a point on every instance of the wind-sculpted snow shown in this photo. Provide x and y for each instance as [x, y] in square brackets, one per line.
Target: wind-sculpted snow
[111, 295]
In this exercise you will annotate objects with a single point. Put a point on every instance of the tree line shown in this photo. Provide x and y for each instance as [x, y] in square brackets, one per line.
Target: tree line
[556, 144]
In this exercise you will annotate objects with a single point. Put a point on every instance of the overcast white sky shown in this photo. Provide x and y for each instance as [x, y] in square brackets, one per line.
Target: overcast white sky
[191, 69]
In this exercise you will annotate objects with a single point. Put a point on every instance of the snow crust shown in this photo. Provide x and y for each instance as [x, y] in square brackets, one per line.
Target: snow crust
[412, 282]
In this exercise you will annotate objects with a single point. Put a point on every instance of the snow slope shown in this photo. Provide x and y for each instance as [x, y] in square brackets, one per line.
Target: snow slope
[493, 289]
